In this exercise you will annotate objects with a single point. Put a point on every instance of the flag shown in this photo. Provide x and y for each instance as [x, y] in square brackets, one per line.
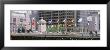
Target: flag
[37, 22]
[50, 21]
[88, 23]
[72, 20]
[80, 20]
[58, 20]
[33, 24]
[89, 18]
[65, 19]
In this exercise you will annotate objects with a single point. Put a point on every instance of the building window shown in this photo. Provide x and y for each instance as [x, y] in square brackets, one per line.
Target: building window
[21, 20]
[14, 19]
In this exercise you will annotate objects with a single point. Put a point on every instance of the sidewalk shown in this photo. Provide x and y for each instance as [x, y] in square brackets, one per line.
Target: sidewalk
[55, 34]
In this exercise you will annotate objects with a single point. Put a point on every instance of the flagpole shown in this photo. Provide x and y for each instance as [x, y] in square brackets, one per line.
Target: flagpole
[75, 14]
[66, 23]
[51, 20]
[58, 21]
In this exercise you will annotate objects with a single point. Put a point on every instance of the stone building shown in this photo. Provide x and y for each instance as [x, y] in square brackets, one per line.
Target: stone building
[19, 20]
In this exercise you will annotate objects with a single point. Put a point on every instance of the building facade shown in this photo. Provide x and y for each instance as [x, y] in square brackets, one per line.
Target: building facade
[62, 20]
[20, 20]
[56, 20]
[90, 20]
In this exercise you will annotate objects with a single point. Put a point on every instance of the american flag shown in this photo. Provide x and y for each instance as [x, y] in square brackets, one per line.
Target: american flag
[65, 19]
[50, 21]
[58, 20]
[80, 20]
[33, 22]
